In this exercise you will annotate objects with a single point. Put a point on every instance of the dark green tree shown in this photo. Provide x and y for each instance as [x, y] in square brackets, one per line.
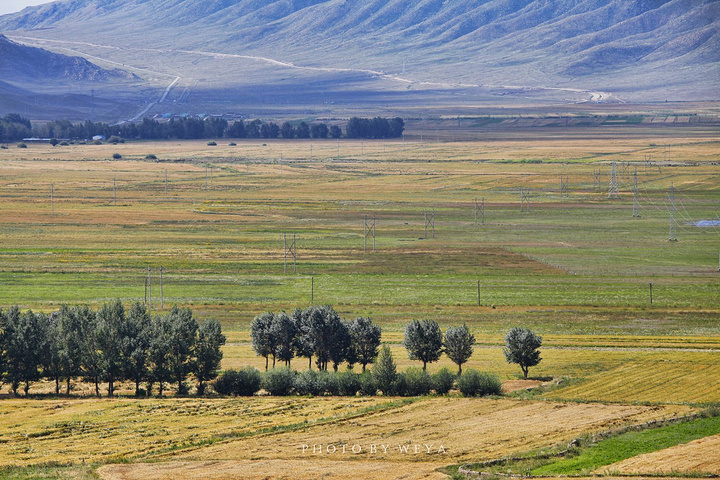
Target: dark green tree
[319, 130]
[51, 351]
[302, 130]
[423, 341]
[136, 344]
[207, 353]
[340, 345]
[92, 361]
[458, 345]
[24, 338]
[304, 345]
[335, 132]
[261, 336]
[284, 333]
[287, 130]
[159, 353]
[110, 339]
[521, 347]
[385, 372]
[183, 333]
[70, 332]
[365, 337]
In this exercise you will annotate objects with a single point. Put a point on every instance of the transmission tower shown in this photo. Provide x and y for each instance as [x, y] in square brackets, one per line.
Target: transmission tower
[673, 228]
[564, 186]
[636, 203]
[614, 191]
[430, 222]
[480, 208]
[597, 180]
[524, 199]
[289, 250]
[369, 231]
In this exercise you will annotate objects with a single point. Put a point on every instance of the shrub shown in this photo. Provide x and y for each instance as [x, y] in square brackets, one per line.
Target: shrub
[64, 144]
[232, 144]
[4, 147]
[399, 386]
[22, 145]
[349, 383]
[97, 142]
[417, 382]
[117, 156]
[245, 382]
[212, 143]
[368, 386]
[115, 140]
[443, 381]
[278, 381]
[329, 383]
[151, 156]
[308, 383]
[478, 384]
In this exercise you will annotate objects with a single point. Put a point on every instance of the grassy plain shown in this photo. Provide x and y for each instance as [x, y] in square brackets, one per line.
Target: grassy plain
[575, 268]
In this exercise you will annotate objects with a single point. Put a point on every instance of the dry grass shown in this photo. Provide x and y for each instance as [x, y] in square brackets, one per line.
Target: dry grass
[467, 429]
[698, 456]
[275, 469]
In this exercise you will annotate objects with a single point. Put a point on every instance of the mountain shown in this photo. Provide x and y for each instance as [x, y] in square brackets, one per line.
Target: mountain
[377, 51]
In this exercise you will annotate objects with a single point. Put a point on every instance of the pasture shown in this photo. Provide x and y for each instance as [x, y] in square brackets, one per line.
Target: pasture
[455, 241]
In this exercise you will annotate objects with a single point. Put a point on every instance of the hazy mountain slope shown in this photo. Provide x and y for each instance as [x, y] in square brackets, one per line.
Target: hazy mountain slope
[641, 49]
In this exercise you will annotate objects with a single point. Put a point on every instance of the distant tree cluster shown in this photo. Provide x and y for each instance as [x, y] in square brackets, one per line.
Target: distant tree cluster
[377, 128]
[13, 127]
[109, 345]
[315, 332]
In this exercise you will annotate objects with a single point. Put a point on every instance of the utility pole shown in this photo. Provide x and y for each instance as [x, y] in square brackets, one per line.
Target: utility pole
[52, 198]
[636, 203]
[312, 290]
[597, 180]
[162, 297]
[651, 298]
[673, 229]
[166, 183]
[114, 193]
[478, 288]
[149, 288]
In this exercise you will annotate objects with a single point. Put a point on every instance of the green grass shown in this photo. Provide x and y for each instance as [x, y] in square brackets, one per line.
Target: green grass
[50, 472]
[628, 445]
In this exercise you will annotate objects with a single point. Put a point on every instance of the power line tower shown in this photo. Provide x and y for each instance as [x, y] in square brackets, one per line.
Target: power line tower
[597, 180]
[369, 231]
[636, 203]
[614, 190]
[430, 222]
[564, 186]
[480, 208]
[524, 199]
[673, 227]
[289, 250]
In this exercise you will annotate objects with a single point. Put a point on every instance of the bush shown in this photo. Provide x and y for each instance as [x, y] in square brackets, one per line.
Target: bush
[478, 384]
[443, 381]
[245, 382]
[212, 143]
[64, 144]
[232, 144]
[97, 142]
[308, 383]
[279, 381]
[4, 147]
[368, 386]
[348, 383]
[329, 383]
[115, 140]
[417, 382]
[399, 386]
[151, 156]
[22, 145]
[117, 156]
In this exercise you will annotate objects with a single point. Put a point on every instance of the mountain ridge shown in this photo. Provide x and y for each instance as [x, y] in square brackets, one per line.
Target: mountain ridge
[630, 48]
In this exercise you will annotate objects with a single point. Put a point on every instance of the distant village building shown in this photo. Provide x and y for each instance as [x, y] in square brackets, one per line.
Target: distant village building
[100, 138]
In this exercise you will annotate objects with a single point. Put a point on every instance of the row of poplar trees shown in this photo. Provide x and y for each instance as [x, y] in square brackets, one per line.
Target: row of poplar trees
[109, 345]
[316, 331]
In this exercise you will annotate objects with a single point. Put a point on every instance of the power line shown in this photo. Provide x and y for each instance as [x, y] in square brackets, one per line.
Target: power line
[613, 190]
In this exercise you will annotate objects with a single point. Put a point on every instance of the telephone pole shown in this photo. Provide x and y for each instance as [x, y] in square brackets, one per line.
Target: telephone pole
[673, 228]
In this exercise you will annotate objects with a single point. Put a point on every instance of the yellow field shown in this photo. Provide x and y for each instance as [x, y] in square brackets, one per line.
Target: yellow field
[698, 456]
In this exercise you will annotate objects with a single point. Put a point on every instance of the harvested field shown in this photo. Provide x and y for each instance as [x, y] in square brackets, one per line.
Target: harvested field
[452, 429]
[698, 456]
[275, 469]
